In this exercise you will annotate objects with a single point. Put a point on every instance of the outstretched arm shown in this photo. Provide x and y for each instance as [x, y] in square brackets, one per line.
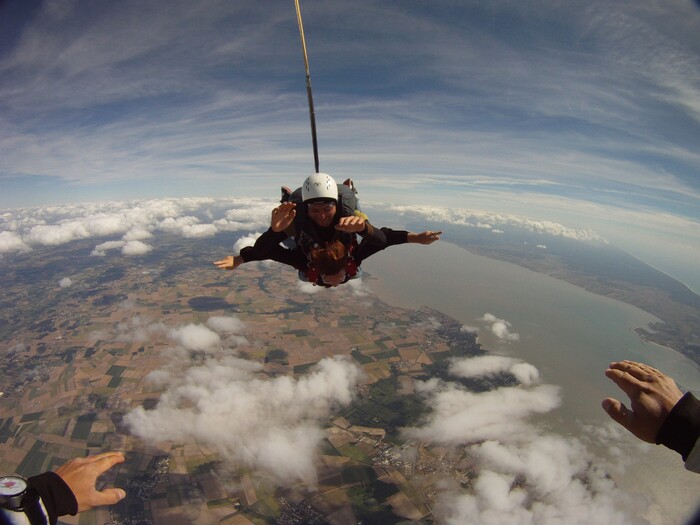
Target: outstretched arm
[652, 396]
[281, 218]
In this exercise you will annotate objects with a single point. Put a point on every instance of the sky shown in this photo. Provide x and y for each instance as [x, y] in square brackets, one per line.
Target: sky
[584, 113]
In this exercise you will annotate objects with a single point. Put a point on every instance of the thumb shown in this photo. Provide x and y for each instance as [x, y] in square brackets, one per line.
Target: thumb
[617, 411]
[110, 496]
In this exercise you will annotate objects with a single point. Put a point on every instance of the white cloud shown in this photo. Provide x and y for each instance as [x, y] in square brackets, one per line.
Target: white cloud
[220, 323]
[469, 329]
[136, 248]
[488, 220]
[177, 225]
[137, 329]
[134, 221]
[57, 234]
[270, 425]
[137, 233]
[11, 242]
[524, 474]
[199, 231]
[248, 240]
[525, 373]
[65, 282]
[500, 328]
[557, 486]
[460, 416]
[100, 249]
[490, 365]
[195, 337]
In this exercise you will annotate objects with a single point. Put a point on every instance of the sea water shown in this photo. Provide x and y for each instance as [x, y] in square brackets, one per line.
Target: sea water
[569, 334]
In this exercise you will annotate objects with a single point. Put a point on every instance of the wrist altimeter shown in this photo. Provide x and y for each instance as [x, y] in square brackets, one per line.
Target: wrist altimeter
[16, 495]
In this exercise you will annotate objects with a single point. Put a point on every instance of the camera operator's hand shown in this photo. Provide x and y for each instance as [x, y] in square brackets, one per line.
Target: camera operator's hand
[652, 395]
[80, 474]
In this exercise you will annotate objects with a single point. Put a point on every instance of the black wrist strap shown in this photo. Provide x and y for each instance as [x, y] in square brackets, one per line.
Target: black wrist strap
[681, 430]
[55, 494]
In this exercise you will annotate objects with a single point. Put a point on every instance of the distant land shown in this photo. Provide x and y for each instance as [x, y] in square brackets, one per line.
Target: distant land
[68, 378]
[599, 268]
[69, 374]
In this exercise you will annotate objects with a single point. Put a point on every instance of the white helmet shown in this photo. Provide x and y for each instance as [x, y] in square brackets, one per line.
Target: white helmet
[319, 186]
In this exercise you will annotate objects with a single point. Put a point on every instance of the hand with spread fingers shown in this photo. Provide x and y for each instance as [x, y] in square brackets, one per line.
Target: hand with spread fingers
[652, 396]
[80, 474]
[282, 216]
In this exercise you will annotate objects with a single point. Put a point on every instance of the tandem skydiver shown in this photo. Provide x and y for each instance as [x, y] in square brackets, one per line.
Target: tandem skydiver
[323, 219]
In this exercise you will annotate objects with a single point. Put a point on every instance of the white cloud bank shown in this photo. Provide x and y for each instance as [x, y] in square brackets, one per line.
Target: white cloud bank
[133, 221]
[496, 222]
[270, 425]
[525, 475]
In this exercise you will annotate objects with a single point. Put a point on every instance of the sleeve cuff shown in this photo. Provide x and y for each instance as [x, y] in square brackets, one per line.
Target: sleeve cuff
[56, 495]
[681, 429]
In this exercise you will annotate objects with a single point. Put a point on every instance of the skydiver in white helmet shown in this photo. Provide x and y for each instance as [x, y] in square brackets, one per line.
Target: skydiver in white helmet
[323, 219]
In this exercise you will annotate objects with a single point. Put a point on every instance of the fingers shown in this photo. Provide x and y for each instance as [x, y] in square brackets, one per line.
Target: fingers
[350, 224]
[431, 236]
[224, 264]
[638, 370]
[282, 216]
[624, 378]
[106, 460]
[102, 463]
[285, 209]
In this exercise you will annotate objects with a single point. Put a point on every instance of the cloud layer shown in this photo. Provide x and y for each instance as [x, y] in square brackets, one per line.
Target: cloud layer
[525, 475]
[130, 223]
[133, 225]
[495, 221]
[272, 426]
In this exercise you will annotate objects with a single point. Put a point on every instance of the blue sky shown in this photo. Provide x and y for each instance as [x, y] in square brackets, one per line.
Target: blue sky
[585, 113]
